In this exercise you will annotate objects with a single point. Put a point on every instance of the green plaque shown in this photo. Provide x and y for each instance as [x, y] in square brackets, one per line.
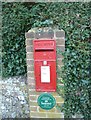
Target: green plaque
[46, 101]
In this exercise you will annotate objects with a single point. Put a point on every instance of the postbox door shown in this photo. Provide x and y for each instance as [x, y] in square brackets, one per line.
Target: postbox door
[49, 72]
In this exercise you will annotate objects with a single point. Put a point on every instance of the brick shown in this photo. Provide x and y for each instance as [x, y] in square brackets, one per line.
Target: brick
[29, 55]
[38, 35]
[37, 115]
[61, 113]
[58, 110]
[61, 48]
[60, 33]
[59, 79]
[30, 74]
[33, 98]
[32, 86]
[60, 41]
[29, 42]
[31, 80]
[42, 110]
[44, 35]
[33, 103]
[30, 68]
[35, 93]
[54, 93]
[59, 66]
[30, 90]
[30, 62]
[54, 115]
[31, 83]
[51, 33]
[58, 75]
[59, 104]
[59, 99]
[29, 35]
[59, 62]
[29, 48]
[33, 108]
[59, 56]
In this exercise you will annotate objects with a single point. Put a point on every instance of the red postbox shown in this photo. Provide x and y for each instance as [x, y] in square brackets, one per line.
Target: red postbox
[45, 65]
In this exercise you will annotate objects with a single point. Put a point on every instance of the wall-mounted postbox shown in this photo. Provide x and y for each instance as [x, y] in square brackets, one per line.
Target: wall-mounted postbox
[45, 64]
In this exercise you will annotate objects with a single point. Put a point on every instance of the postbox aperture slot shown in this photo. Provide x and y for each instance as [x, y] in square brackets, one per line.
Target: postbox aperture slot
[44, 49]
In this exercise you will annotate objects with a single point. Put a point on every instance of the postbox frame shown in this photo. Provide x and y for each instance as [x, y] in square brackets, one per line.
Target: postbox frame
[51, 62]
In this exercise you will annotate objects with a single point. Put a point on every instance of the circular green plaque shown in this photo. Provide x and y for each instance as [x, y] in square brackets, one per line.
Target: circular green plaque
[46, 101]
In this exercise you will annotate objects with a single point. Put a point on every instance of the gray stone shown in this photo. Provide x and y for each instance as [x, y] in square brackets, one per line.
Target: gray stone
[2, 107]
[14, 96]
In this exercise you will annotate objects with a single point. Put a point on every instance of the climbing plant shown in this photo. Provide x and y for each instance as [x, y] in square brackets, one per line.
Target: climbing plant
[16, 19]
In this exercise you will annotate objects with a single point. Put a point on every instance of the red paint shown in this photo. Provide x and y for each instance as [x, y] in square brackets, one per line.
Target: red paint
[45, 50]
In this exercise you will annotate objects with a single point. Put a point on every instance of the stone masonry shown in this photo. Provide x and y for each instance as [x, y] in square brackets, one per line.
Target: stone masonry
[43, 33]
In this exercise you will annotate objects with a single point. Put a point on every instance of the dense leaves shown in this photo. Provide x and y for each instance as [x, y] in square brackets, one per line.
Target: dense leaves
[74, 18]
[16, 18]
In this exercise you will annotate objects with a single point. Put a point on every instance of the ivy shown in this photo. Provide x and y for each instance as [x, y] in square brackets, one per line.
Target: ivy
[15, 22]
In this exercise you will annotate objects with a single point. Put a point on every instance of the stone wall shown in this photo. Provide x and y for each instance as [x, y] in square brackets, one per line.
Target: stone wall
[44, 33]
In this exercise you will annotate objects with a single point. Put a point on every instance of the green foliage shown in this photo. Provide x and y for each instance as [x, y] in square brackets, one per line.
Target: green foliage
[16, 19]
[74, 18]
[77, 80]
